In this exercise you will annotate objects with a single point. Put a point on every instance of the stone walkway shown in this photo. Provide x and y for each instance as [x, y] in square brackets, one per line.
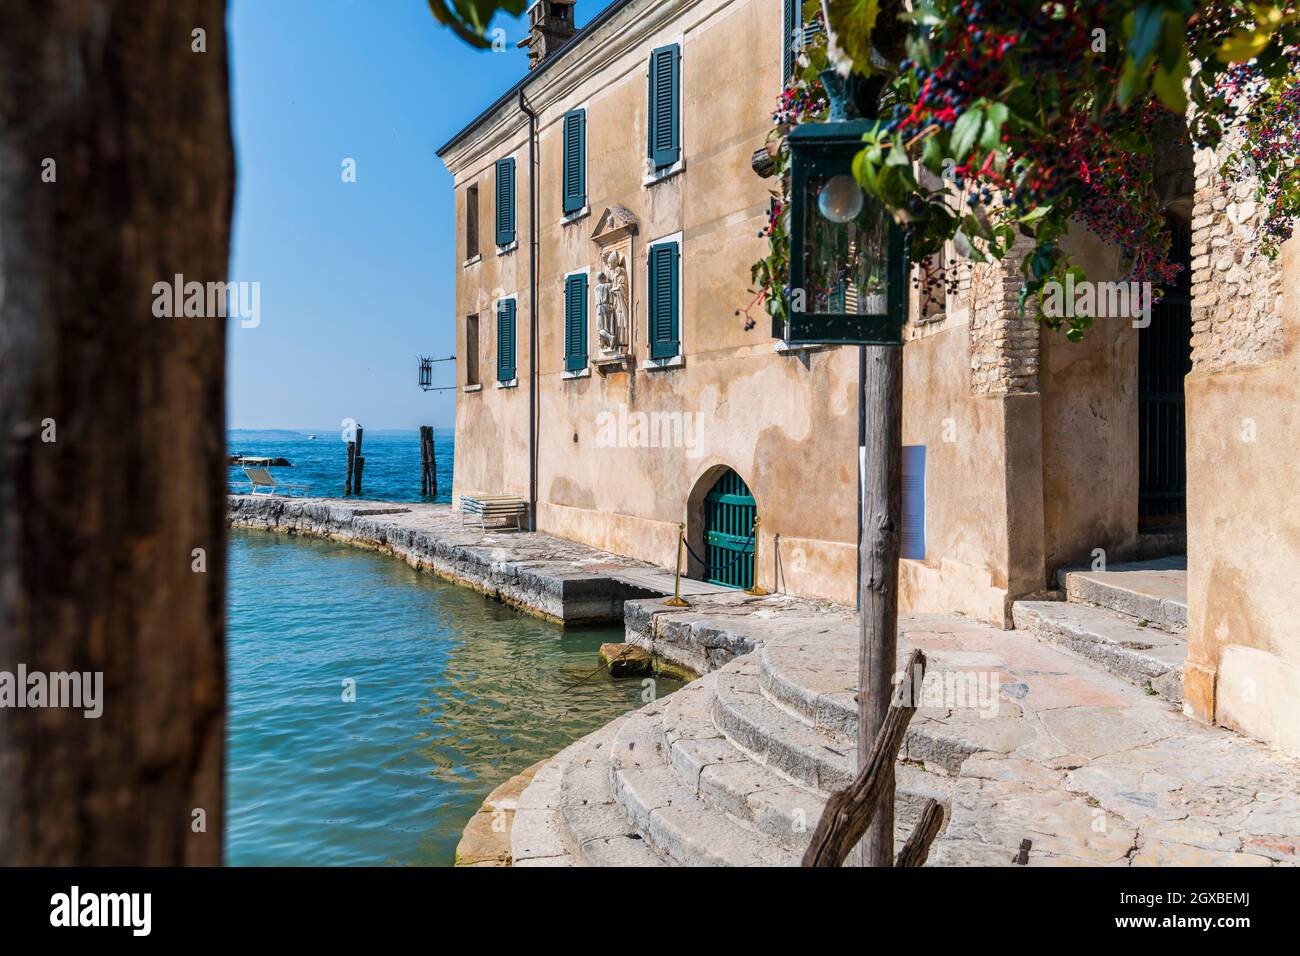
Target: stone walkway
[546, 576]
[734, 768]
[1066, 733]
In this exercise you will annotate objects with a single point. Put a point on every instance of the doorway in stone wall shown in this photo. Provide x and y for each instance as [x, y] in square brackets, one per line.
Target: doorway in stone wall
[720, 525]
[1164, 359]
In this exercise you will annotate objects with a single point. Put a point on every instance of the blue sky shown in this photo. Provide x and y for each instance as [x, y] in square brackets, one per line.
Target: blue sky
[356, 278]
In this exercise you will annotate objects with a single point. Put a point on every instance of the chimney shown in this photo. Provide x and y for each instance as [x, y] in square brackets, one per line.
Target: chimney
[550, 24]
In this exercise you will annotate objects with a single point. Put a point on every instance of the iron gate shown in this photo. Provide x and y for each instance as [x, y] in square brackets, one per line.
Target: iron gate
[1164, 359]
[729, 512]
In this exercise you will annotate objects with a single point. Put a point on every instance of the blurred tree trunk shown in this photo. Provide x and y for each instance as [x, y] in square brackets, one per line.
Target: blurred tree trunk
[98, 527]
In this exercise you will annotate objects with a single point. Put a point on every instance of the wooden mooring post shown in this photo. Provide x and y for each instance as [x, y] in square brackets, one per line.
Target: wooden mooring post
[352, 457]
[428, 463]
[361, 463]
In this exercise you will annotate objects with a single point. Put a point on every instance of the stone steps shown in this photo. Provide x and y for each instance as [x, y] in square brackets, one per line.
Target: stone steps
[733, 769]
[811, 683]
[1145, 656]
[776, 738]
[715, 770]
[597, 823]
[1150, 591]
[681, 827]
[728, 771]
[813, 758]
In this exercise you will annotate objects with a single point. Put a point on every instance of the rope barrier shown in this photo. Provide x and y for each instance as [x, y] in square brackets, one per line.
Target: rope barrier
[736, 557]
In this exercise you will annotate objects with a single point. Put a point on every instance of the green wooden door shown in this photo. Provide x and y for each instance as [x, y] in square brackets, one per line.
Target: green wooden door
[728, 523]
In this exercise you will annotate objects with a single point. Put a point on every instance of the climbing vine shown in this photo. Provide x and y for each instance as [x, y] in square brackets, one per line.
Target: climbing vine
[1035, 112]
[802, 101]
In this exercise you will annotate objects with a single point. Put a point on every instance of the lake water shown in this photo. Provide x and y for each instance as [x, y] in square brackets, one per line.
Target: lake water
[454, 693]
[392, 471]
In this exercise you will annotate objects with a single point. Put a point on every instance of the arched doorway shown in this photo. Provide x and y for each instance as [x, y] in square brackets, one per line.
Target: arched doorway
[728, 525]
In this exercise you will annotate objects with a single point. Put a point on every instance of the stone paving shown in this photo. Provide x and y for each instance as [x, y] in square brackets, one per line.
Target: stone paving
[1090, 764]
[1153, 591]
[733, 769]
[537, 573]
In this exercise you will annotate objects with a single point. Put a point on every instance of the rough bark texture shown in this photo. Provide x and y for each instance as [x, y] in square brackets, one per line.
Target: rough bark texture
[98, 528]
[852, 812]
[917, 848]
[878, 570]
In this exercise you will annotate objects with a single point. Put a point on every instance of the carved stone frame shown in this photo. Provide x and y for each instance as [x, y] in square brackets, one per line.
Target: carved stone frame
[616, 229]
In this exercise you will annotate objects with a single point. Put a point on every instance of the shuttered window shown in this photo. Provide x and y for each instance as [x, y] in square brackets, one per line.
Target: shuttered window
[575, 323]
[790, 22]
[664, 311]
[575, 160]
[506, 340]
[664, 121]
[505, 202]
[913, 527]
[471, 222]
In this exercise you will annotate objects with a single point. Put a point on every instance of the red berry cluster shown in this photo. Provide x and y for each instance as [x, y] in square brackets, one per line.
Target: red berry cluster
[1266, 117]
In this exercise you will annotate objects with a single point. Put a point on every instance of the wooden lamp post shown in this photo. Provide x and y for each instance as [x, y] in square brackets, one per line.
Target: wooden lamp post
[848, 285]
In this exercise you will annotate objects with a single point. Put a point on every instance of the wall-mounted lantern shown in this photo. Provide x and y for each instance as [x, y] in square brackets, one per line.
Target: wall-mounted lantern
[848, 259]
[426, 374]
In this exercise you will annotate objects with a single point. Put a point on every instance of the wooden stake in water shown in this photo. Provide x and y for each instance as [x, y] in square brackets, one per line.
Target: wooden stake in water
[428, 463]
[424, 463]
[352, 454]
[361, 463]
[433, 465]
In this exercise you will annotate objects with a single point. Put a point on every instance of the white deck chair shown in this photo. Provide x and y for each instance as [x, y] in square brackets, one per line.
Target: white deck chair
[260, 478]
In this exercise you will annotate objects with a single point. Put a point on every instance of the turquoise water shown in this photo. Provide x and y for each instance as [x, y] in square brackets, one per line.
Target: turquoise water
[454, 695]
[392, 471]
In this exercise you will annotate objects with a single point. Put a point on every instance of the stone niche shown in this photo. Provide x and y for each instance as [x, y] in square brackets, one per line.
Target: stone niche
[612, 284]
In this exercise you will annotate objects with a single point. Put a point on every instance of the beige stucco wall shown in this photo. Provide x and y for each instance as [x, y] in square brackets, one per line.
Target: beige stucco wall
[1243, 535]
[787, 423]
[1090, 427]
[966, 564]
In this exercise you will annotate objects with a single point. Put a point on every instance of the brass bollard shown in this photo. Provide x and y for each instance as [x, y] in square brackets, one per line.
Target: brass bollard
[676, 600]
[755, 589]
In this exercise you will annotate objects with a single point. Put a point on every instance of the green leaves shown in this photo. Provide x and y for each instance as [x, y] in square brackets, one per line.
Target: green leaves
[1168, 85]
[1157, 37]
[469, 19]
[852, 22]
[967, 131]
[1251, 40]
[980, 124]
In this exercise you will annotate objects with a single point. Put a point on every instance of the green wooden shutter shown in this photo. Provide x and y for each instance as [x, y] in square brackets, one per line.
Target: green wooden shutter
[664, 121]
[505, 202]
[790, 24]
[665, 338]
[575, 160]
[575, 323]
[506, 340]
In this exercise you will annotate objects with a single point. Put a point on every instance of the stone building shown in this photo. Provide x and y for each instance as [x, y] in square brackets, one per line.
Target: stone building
[606, 219]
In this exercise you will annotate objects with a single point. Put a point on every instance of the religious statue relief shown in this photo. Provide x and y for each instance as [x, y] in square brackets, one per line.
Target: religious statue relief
[613, 237]
[611, 301]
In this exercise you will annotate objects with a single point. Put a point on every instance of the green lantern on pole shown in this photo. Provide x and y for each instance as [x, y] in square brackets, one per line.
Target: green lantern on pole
[848, 259]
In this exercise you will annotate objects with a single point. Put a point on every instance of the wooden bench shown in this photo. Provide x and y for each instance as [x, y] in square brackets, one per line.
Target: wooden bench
[495, 507]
